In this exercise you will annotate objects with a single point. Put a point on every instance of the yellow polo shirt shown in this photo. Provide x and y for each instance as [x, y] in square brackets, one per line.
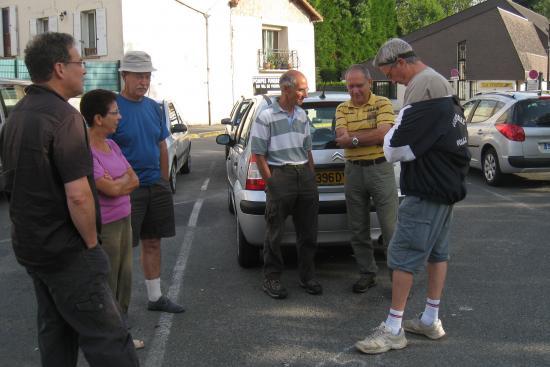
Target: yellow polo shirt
[378, 110]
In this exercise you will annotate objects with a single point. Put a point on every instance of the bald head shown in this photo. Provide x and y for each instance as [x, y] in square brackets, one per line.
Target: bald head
[290, 78]
[293, 88]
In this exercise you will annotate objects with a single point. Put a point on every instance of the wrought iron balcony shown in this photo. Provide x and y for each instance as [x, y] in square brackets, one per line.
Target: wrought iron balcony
[273, 59]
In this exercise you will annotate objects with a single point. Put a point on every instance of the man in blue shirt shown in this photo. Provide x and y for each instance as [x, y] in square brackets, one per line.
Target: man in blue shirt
[141, 135]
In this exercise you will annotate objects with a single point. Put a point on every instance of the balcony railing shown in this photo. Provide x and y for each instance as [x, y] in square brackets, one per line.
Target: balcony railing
[277, 59]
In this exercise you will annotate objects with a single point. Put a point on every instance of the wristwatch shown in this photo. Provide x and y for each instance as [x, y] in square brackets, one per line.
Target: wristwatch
[355, 141]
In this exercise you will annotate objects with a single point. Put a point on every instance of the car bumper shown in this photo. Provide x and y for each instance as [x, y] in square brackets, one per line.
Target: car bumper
[533, 164]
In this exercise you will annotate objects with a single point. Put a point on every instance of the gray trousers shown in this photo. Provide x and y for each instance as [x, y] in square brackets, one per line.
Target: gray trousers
[291, 190]
[363, 183]
[76, 308]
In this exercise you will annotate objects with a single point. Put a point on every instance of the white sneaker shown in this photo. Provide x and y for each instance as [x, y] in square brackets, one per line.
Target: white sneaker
[433, 331]
[382, 340]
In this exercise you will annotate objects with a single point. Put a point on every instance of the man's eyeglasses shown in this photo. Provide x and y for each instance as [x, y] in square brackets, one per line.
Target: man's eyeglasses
[303, 90]
[82, 63]
[388, 74]
[113, 112]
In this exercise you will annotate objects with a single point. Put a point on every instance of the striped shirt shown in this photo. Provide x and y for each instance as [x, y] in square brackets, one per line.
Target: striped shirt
[282, 143]
[378, 110]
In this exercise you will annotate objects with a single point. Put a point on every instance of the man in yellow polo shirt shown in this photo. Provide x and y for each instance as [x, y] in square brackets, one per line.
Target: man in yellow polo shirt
[361, 124]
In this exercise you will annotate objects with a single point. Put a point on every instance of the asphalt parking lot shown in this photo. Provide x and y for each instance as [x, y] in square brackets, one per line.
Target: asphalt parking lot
[494, 307]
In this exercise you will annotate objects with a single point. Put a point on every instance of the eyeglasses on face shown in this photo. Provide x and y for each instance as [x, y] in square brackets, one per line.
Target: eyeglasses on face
[392, 65]
[82, 63]
[115, 112]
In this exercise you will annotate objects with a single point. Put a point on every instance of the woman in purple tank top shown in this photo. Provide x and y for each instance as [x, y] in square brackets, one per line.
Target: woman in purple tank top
[115, 180]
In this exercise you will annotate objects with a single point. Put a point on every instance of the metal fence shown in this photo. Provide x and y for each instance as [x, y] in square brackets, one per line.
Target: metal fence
[99, 74]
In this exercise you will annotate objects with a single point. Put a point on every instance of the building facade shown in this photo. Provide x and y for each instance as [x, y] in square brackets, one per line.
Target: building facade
[207, 52]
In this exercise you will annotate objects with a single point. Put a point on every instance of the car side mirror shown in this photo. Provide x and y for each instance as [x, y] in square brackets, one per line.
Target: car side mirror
[225, 139]
[226, 121]
[178, 128]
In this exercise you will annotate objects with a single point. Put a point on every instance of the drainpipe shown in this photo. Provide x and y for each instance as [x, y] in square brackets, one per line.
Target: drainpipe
[206, 16]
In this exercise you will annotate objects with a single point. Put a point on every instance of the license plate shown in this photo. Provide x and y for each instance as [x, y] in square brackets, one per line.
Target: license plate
[329, 177]
[546, 146]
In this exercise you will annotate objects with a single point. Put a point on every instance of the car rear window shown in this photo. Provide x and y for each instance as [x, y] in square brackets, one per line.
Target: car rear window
[322, 117]
[533, 112]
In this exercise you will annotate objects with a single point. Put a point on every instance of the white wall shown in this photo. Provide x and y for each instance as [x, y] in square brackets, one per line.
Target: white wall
[31, 9]
[246, 24]
[174, 36]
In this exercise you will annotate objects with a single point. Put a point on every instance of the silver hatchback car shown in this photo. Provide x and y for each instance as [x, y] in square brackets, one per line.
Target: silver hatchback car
[508, 133]
[246, 196]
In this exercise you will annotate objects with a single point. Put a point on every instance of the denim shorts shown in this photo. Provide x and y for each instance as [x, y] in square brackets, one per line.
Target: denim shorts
[421, 234]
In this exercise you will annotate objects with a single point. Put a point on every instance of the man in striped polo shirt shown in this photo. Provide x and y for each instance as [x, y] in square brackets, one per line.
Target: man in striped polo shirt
[361, 124]
[281, 145]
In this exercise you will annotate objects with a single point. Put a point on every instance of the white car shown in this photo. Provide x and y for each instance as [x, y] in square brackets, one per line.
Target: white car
[246, 195]
[178, 142]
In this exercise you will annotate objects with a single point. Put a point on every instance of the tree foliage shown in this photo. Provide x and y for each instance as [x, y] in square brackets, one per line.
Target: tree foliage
[351, 32]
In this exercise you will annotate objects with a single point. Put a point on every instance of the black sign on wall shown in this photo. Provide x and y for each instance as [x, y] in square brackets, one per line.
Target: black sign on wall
[263, 85]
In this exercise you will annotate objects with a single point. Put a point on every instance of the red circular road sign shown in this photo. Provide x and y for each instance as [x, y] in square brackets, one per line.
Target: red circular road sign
[454, 73]
[533, 74]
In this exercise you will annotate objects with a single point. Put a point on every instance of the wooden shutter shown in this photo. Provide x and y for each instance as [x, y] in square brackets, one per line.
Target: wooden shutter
[13, 30]
[77, 31]
[52, 24]
[101, 31]
[1, 38]
[33, 27]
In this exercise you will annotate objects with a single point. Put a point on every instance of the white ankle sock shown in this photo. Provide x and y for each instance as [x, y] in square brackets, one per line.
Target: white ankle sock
[431, 312]
[153, 289]
[394, 321]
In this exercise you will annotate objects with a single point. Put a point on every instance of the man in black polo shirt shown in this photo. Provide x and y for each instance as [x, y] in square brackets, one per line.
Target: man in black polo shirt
[53, 209]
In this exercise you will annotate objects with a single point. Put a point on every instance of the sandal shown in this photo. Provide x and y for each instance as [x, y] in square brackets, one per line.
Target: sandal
[139, 344]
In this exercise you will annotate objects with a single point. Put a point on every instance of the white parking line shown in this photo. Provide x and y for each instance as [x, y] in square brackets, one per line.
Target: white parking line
[157, 348]
[519, 204]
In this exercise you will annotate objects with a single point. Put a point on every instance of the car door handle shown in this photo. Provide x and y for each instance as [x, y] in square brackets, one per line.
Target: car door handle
[480, 132]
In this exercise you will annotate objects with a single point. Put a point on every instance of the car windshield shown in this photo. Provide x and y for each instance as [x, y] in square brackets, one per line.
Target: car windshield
[323, 124]
[533, 112]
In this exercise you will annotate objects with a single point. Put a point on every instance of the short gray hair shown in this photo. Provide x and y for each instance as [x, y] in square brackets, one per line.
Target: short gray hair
[393, 49]
[288, 79]
[363, 68]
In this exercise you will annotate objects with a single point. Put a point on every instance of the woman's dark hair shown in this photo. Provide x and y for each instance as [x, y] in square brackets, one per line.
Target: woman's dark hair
[44, 51]
[96, 102]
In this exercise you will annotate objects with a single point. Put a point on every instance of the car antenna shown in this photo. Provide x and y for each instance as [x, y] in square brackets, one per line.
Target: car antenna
[322, 96]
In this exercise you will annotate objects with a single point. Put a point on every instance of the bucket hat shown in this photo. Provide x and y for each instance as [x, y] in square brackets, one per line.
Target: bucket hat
[136, 62]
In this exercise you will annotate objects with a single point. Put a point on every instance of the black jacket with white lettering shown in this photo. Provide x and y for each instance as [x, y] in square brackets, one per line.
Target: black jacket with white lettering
[430, 139]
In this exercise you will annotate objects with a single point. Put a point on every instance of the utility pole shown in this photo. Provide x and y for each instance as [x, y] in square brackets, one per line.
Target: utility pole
[548, 57]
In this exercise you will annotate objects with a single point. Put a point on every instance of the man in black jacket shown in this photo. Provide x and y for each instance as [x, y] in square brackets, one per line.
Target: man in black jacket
[53, 211]
[430, 139]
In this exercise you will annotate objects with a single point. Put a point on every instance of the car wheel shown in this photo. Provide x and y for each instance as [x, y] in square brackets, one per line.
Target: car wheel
[186, 168]
[173, 174]
[230, 206]
[248, 255]
[491, 169]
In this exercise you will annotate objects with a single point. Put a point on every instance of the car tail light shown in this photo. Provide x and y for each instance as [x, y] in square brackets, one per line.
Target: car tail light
[511, 131]
[254, 180]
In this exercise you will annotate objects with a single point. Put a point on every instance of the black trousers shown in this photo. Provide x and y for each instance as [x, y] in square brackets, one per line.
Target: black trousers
[291, 190]
[76, 309]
